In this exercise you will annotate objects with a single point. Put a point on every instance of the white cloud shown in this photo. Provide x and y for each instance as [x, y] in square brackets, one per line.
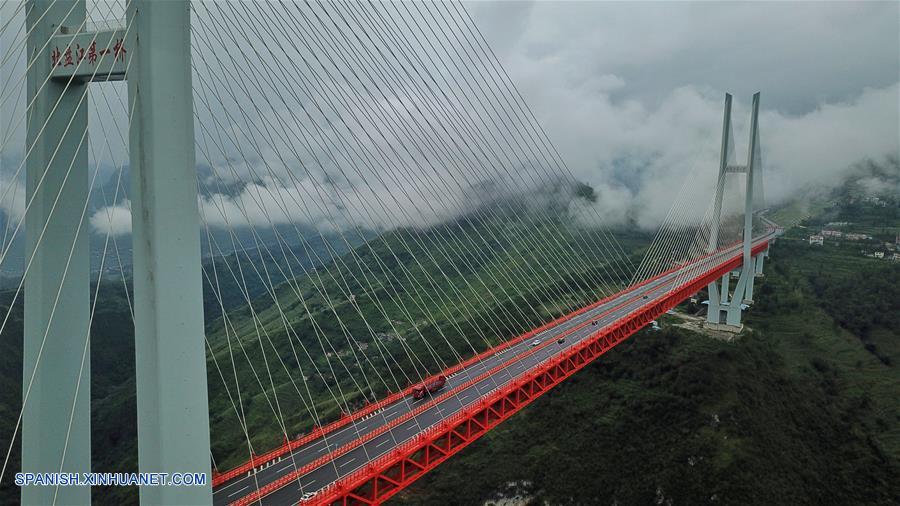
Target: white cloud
[12, 198]
[632, 93]
[114, 220]
[800, 54]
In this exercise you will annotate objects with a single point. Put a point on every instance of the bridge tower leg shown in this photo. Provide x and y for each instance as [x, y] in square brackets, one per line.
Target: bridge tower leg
[751, 275]
[743, 291]
[714, 310]
[57, 284]
[726, 280]
[759, 261]
[751, 266]
[172, 403]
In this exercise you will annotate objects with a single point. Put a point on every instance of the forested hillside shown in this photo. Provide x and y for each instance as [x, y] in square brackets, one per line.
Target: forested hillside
[385, 315]
[293, 330]
[801, 409]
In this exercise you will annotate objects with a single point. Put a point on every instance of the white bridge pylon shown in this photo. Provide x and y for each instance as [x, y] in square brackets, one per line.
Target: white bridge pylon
[722, 302]
[153, 53]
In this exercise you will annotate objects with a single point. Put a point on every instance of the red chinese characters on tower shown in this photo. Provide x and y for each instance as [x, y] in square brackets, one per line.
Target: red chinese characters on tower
[55, 56]
[119, 50]
[69, 57]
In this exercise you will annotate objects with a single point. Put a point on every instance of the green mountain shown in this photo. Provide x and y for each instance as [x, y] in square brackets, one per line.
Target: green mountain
[400, 316]
[801, 409]
[398, 296]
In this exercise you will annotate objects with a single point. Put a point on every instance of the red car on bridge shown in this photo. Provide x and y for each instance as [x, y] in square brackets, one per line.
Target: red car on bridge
[430, 387]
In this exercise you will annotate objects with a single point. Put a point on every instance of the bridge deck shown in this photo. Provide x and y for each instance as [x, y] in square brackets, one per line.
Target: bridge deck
[335, 455]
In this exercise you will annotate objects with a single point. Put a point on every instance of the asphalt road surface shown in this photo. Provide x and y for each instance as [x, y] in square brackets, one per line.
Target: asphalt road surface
[515, 366]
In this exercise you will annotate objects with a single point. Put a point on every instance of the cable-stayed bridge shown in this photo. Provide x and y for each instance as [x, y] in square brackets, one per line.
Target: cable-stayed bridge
[374, 454]
[391, 255]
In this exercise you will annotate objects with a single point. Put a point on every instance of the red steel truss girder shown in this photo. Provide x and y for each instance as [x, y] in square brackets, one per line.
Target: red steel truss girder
[317, 432]
[258, 460]
[361, 487]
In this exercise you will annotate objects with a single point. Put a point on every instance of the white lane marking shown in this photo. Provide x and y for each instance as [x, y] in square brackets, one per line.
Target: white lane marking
[236, 492]
[348, 462]
[386, 441]
[234, 481]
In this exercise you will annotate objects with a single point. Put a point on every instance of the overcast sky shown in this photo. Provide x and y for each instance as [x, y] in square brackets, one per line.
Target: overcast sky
[801, 54]
[641, 84]
[630, 92]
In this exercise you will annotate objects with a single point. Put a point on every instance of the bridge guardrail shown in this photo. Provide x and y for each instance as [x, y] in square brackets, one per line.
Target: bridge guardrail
[634, 321]
[281, 482]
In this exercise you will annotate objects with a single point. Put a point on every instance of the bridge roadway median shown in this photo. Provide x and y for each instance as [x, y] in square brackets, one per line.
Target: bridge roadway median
[314, 465]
